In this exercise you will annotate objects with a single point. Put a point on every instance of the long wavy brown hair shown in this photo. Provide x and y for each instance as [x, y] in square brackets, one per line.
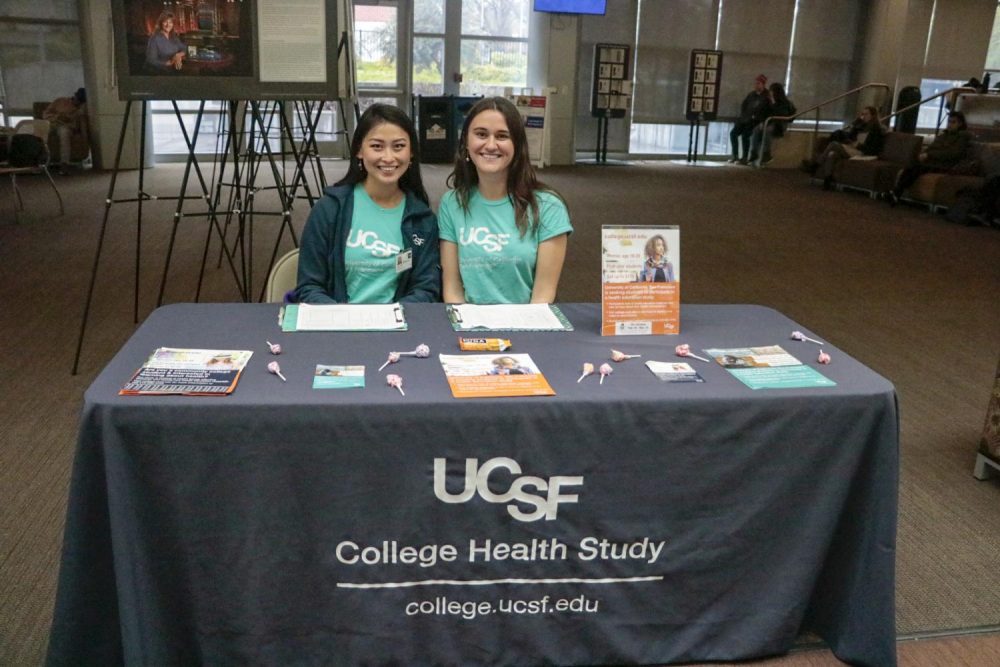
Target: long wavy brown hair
[522, 183]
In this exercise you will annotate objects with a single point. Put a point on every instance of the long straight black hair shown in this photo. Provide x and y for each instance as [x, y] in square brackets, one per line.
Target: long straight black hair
[375, 115]
[522, 183]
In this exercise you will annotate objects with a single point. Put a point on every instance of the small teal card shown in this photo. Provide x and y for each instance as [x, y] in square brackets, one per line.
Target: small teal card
[782, 377]
[339, 377]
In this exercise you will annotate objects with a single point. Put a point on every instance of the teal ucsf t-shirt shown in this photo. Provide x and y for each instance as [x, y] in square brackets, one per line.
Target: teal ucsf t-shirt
[370, 256]
[496, 263]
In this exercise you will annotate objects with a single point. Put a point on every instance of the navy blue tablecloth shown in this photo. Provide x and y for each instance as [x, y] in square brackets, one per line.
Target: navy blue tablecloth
[636, 521]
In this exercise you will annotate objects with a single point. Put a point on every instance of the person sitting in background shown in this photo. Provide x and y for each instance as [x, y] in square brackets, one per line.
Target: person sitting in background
[866, 136]
[64, 114]
[753, 110]
[779, 105]
[943, 155]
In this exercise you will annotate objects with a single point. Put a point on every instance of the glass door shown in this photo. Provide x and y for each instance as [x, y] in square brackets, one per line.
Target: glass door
[470, 47]
[381, 40]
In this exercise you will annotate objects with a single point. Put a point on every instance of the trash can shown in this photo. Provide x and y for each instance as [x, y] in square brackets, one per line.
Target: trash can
[460, 109]
[434, 118]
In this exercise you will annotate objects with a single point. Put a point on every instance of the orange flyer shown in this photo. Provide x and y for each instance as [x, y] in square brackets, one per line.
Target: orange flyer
[640, 280]
[494, 375]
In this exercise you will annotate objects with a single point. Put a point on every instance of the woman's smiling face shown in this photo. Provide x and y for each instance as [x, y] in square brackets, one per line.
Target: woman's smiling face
[386, 153]
[489, 143]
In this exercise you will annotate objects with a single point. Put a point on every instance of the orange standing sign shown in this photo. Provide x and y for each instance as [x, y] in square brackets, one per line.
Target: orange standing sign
[640, 280]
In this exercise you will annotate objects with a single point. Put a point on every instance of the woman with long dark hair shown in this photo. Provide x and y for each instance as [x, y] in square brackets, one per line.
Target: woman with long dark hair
[372, 238]
[503, 232]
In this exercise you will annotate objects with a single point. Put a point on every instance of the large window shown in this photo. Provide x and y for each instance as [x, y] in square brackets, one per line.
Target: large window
[993, 54]
[470, 47]
[375, 45]
[790, 43]
[428, 47]
[40, 55]
[494, 46]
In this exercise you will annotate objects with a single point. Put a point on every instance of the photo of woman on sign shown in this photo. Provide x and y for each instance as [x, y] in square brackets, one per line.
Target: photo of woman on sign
[165, 50]
[657, 268]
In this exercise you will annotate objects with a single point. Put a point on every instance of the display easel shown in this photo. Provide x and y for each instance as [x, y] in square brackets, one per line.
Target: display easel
[141, 197]
[244, 188]
[694, 130]
[611, 90]
[247, 146]
[702, 100]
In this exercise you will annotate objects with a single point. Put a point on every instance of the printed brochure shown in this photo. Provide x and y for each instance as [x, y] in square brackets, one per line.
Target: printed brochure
[768, 367]
[674, 371]
[188, 372]
[494, 375]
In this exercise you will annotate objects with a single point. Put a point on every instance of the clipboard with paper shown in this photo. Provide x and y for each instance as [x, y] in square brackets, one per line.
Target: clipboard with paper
[343, 317]
[508, 317]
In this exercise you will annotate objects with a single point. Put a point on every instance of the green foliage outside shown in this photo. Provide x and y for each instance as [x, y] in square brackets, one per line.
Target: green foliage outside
[486, 74]
[377, 72]
[495, 75]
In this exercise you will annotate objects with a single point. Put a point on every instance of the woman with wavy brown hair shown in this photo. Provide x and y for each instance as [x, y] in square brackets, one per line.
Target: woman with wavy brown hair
[165, 51]
[503, 232]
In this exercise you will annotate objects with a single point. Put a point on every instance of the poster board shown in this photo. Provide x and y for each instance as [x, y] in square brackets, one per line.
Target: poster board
[640, 280]
[611, 87]
[247, 49]
[533, 110]
[704, 83]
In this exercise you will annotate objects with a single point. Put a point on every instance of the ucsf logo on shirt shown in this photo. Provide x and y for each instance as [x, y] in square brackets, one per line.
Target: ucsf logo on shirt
[482, 237]
[370, 241]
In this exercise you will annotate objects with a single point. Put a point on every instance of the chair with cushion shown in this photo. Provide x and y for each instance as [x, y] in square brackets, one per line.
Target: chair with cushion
[900, 150]
[39, 128]
[283, 277]
[27, 154]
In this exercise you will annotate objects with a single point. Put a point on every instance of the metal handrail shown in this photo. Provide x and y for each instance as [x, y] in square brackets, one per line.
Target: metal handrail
[816, 108]
[942, 95]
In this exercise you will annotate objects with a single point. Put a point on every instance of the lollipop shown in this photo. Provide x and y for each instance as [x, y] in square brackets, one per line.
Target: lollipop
[394, 380]
[422, 352]
[798, 335]
[393, 358]
[273, 367]
[823, 357]
[685, 351]
[621, 356]
[274, 347]
[587, 370]
[606, 370]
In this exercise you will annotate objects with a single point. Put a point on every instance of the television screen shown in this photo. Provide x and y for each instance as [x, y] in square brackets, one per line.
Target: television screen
[571, 6]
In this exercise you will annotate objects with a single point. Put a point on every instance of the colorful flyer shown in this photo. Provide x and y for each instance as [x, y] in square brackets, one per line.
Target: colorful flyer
[171, 370]
[494, 375]
[640, 280]
[339, 377]
[769, 367]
